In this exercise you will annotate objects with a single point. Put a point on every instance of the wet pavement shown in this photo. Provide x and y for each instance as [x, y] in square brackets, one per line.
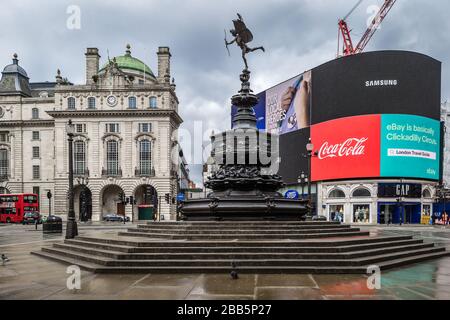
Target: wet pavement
[30, 277]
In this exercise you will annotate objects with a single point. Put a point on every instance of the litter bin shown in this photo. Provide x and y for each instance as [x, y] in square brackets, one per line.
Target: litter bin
[53, 224]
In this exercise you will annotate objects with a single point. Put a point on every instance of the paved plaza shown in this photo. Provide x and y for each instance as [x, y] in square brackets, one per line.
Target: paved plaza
[30, 277]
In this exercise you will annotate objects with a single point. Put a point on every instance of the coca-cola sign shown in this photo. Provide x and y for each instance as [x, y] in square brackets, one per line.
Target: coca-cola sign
[346, 148]
[350, 147]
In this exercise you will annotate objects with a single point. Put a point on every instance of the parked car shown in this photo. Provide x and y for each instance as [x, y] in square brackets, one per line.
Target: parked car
[115, 217]
[31, 217]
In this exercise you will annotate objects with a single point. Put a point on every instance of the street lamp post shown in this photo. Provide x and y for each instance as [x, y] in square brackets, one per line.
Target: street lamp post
[72, 229]
[309, 149]
[49, 196]
[302, 179]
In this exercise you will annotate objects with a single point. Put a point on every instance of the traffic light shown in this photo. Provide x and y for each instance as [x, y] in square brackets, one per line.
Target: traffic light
[132, 200]
[167, 197]
[122, 197]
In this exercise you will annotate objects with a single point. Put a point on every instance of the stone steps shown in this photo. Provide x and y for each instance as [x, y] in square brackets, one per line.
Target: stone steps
[272, 262]
[244, 236]
[219, 224]
[195, 247]
[239, 255]
[336, 242]
[238, 226]
[239, 231]
[259, 269]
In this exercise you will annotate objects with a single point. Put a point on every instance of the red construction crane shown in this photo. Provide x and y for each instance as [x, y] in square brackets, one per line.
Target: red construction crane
[348, 48]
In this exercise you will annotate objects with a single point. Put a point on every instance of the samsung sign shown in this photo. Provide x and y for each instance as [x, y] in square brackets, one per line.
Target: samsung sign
[381, 83]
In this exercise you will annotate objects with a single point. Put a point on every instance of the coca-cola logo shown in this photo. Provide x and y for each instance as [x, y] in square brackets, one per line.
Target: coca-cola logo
[350, 147]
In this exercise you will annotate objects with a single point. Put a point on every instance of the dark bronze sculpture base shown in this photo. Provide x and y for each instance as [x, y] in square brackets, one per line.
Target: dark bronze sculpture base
[244, 208]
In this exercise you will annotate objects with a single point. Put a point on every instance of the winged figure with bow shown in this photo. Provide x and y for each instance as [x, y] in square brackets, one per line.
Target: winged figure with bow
[242, 35]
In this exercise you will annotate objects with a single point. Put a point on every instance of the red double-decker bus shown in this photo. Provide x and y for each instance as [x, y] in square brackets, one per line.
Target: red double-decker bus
[14, 206]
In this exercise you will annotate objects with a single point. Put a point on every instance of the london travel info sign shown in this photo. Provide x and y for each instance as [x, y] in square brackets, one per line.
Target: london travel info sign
[376, 146]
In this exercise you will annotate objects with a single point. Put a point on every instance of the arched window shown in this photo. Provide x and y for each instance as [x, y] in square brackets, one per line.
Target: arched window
[79, 157]
[91, 103]
[4, 163]
[145, 157]
[361, 193]
[112, 157]
[337, 194]
[132, 102]
[153, 102]
[35, 113]
[71, 103]
[426, 194]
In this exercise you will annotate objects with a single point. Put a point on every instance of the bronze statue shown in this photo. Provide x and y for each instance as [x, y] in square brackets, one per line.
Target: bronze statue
[242, 35]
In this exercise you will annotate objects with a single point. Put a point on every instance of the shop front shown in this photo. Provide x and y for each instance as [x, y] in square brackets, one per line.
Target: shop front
[399, 212]
[404, 203]
[375, 202]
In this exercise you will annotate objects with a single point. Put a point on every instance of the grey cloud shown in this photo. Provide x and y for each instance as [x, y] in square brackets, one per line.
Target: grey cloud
[298, 35]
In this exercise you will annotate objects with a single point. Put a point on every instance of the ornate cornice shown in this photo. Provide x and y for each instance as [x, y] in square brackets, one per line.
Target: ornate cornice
[116, 113]
[146, 135]
[28, 123]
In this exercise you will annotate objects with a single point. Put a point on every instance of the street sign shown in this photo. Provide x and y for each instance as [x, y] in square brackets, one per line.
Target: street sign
[292, 194]
[180, 197]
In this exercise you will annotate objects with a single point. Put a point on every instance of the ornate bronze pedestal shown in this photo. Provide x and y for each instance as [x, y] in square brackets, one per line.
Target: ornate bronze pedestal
[245, 184]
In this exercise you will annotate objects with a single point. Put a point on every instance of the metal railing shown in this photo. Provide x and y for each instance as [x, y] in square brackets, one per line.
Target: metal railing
[144, 172]
[112, 172]
[81, 173]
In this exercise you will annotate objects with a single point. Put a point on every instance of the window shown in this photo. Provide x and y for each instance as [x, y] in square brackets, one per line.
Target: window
[361, 213]
[145, 127]
[361, 193]
[112, 157]
[32, 199]
[132, 102]
[71, 103]
[35, 113]
[79, 158]
[80, 127]
[4, 163]
[36, 135]
[36, 153]
[145, 157]
[4, 137]
[336, 213]
[36, 172]
[336, 194]
[153, 102]
[112, 128]
[426, 193]
[141, 81]
[91, 103]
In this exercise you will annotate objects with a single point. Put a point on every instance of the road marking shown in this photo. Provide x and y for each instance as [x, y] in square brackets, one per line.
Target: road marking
[24, 243]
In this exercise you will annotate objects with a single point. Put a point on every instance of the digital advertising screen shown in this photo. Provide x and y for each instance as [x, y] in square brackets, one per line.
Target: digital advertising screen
[372, 146]
[373, 114]
[288, 105]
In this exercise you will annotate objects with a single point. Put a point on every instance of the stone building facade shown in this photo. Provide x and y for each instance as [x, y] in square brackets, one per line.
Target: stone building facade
[125, 120]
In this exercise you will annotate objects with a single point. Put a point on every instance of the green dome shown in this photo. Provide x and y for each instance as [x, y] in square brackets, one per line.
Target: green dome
[131, 63]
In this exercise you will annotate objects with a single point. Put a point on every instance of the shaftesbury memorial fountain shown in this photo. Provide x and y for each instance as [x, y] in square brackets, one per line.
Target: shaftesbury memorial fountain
[245, 185]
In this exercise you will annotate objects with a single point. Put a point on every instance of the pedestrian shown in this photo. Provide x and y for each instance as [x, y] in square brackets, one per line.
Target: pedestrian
[36, 223]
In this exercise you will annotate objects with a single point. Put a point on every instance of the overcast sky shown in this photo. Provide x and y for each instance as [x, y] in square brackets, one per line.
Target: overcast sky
[297, 34]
